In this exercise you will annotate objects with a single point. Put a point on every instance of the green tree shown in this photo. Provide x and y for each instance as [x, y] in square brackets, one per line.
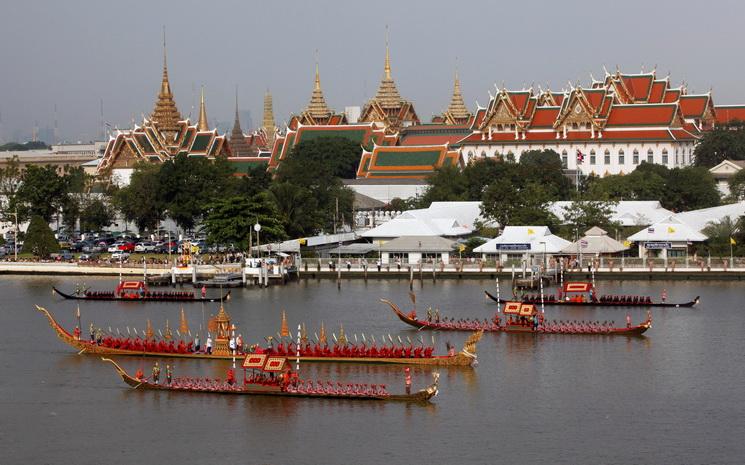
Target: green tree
[39, 238]
[446, 184]
[314, 165]
[737, 186]
[721, 143]
[720, 232]
[690, 188]
[584, 214]
[42, 192]
[229, 221]
[331, 157]
[10, 181]
[95, 215]
[187, 184]
[139, 201]
[510, 205]
[544, 167]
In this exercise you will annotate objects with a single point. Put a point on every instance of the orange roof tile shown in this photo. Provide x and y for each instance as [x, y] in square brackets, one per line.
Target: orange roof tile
[544, 117]
[658, 91]
[729, 113]
[693, 106]
[641, 114]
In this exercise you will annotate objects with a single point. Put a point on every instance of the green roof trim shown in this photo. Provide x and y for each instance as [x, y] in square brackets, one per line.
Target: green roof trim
[407, 158]
[356, 135]
[201, 142]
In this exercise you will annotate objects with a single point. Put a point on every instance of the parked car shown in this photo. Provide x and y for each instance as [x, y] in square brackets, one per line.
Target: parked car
[120, 256]
[88, 257]
[163, 247]
[145, 247]
[114, 247]
[127, 247]
[62, 255]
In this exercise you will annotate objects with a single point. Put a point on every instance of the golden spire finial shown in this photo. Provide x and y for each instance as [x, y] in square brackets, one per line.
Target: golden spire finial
[317, 107]
[457, 111]
[387, 56]
[268, 124]
[165, 113]
[202, 124]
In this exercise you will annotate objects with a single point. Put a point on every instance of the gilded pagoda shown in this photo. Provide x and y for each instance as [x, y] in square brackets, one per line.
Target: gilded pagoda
[317, 113]
[162, 136]
[387, 107]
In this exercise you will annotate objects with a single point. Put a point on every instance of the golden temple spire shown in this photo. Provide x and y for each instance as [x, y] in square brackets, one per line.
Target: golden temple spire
[165, 113]
[388, 96]
[268, 123]
[202, 124]
[387, 56]
[317, 107]
[457, 107]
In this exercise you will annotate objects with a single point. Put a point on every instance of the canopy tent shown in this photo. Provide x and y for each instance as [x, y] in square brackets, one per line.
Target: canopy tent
[595, 241]
[524, 239]
[670, 229]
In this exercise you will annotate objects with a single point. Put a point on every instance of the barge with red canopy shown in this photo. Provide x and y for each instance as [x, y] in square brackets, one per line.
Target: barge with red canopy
[138, 291]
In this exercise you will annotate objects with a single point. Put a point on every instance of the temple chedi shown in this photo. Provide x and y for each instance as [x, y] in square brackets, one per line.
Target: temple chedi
[268, 126]
[457, 113]
[317, 112]
[387, 107]
[239, 146]
[162, 136]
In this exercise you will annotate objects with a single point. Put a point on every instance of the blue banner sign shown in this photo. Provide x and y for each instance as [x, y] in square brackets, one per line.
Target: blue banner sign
[513, 246]
[658, 245]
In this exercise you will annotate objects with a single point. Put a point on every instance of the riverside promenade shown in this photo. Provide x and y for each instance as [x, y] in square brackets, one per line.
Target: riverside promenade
[315, 269]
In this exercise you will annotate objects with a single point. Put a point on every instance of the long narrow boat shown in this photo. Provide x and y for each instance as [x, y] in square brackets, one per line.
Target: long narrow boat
[138, 291]
[277, 387]
[519, 318]
[466, 357]
[582, 294]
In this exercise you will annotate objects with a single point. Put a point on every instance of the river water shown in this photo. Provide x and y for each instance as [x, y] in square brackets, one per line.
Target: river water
[671, 397]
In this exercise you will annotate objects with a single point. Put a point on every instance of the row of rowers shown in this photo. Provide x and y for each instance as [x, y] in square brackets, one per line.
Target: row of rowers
[284, 347]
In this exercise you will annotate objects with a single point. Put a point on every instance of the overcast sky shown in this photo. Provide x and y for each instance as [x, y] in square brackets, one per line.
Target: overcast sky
[77, 52]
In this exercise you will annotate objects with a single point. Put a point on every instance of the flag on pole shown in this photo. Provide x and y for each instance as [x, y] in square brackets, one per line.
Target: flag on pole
[732, 241]
[670, 229]
[580, 157]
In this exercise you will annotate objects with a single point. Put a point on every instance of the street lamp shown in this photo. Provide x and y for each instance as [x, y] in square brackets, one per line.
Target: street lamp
[257, 228]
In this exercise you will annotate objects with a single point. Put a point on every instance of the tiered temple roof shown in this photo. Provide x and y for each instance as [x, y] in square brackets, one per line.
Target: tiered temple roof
[165, 114]
[317, 112]
[163, 136]
[238, 144]
[365, 134]
[409, 162]
[457, 113]
[621, 107]
[387, 107]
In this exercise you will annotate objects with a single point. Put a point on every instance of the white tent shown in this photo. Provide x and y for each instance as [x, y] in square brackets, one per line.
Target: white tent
[595, 241]
[668, 234]
[524, 239]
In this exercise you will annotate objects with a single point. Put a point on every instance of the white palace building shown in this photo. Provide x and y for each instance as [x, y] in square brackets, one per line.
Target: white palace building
[616, 124]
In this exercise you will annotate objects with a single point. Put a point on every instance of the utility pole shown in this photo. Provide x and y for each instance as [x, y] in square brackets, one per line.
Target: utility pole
[15, 238]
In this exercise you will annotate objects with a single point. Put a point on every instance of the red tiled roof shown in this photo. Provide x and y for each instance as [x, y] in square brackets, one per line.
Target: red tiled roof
[520, 100]
[638, 85]
[693, 106]
[544, 117]
[657, 92]
[595, 97]
[582, 136]
[728, 113]
[641, 115]
[671, 95]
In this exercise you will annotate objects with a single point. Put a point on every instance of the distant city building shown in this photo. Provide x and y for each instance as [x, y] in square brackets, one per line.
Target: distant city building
[161, 137]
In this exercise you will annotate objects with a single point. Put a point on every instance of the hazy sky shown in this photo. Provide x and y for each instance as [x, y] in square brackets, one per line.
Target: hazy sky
[74, 53]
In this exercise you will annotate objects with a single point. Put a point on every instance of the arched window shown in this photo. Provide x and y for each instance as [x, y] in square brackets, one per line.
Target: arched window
[650, 156]
[564, 159]
[483, 154]
[592, 157]
[621, 157]
[636, 157]
[606, 157]
[665, 158]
